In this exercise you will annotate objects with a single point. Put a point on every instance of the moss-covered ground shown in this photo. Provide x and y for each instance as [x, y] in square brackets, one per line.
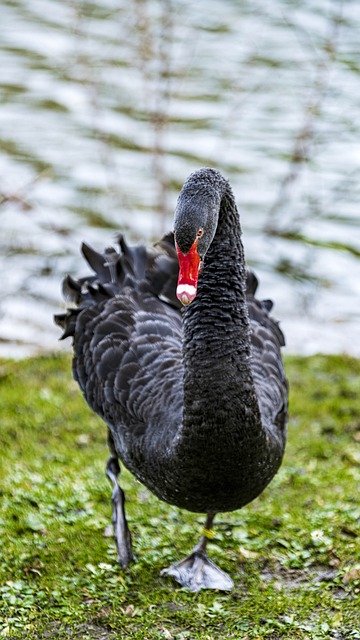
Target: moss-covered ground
[294, 553]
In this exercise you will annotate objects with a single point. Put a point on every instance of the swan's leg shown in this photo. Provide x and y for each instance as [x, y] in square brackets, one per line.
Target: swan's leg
[198, 572]
[121, 530]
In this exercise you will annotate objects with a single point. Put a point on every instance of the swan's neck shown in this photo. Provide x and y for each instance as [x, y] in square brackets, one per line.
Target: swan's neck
[218, 384]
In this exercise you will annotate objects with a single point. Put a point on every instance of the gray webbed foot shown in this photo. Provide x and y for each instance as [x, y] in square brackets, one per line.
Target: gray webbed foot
[121, 530]
[198, 572]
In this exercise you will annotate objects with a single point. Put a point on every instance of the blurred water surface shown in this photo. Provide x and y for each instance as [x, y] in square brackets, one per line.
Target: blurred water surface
[105, 109]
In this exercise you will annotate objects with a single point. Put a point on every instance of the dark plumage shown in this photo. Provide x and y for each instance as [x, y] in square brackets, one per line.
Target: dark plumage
[195, 401]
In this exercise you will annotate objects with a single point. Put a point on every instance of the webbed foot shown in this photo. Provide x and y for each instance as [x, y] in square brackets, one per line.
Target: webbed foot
[198, 572]
[121, 530]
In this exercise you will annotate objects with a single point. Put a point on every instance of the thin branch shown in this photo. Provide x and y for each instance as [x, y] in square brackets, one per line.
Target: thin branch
[303, 144]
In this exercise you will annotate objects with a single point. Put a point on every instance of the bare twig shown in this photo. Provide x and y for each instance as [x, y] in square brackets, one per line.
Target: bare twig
[21, 196]
[303, 144]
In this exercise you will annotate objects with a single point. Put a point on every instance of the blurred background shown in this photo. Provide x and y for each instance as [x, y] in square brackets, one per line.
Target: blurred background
[107, 106]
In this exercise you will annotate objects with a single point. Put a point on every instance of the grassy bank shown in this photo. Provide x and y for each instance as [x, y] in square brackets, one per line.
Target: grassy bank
[294, 553]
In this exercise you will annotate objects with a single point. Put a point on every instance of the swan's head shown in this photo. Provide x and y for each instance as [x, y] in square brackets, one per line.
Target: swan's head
[196, 218]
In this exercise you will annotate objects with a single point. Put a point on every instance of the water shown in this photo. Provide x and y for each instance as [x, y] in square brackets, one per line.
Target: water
[105, 109]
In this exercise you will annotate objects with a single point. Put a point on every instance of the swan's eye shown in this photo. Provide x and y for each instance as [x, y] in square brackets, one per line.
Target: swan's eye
[200, 232]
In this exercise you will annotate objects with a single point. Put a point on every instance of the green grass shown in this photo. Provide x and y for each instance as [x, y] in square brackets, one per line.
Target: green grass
[293, 554]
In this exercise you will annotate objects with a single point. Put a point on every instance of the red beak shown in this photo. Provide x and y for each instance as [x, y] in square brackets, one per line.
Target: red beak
[188, 275]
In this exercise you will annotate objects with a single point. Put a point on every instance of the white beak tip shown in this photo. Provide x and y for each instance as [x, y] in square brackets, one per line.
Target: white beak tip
[185, 293]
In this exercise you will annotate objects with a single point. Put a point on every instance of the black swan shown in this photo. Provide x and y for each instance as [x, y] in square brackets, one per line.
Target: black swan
[195, 401]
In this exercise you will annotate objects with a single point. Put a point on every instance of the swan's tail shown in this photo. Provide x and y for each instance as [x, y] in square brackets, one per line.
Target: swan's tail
[154, 270]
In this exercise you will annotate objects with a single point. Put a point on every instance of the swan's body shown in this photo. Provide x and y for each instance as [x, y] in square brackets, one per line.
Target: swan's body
[195, 403]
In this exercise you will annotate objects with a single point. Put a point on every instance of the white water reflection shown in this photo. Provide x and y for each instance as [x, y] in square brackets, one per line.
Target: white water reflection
[107, 107]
